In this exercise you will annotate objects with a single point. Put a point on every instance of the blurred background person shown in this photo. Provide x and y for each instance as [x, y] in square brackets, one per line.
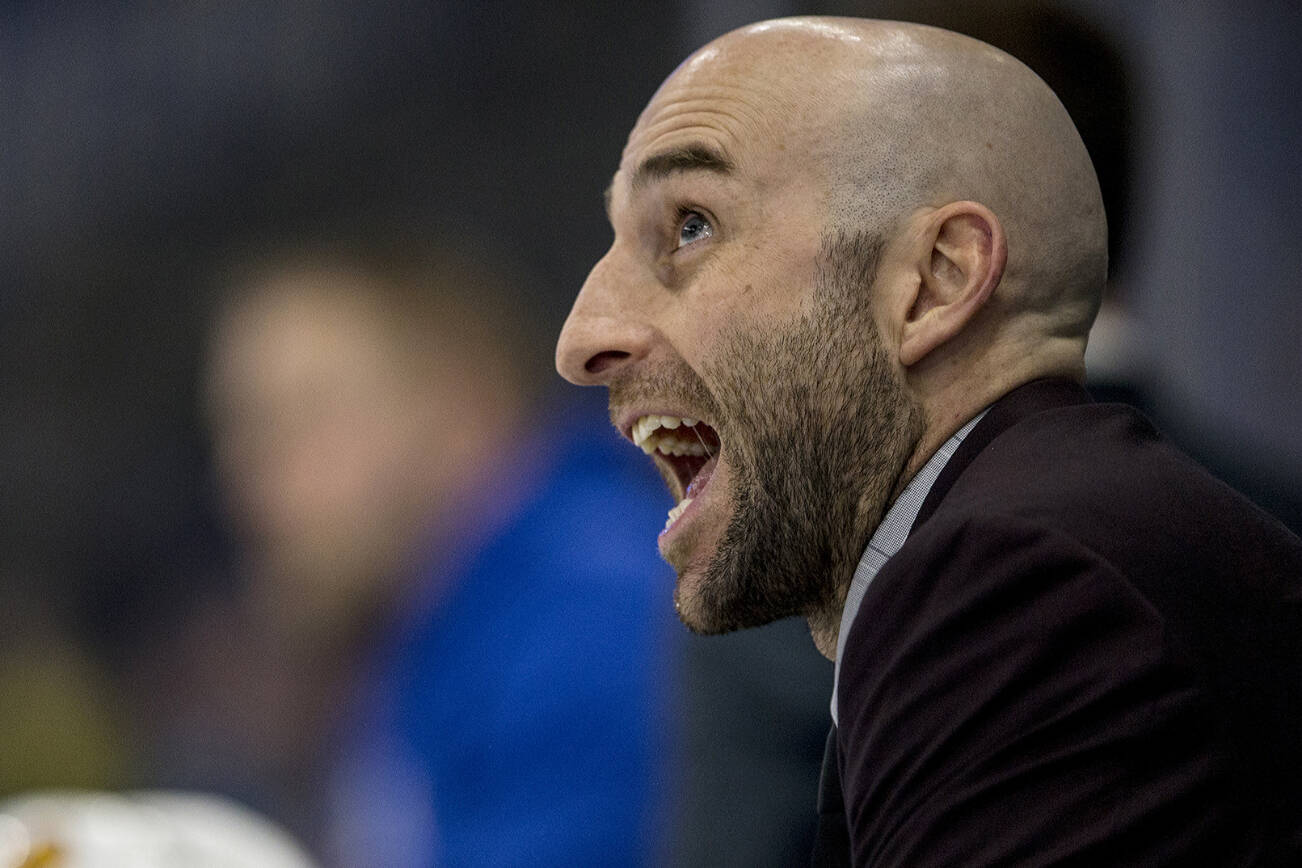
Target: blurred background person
[449, 647]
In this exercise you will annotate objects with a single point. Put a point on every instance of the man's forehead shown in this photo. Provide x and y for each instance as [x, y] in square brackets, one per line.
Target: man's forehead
[725, 111]
[724, 125]
[759, 103]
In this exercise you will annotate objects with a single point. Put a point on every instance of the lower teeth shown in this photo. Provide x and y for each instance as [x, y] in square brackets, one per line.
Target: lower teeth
[677, 511]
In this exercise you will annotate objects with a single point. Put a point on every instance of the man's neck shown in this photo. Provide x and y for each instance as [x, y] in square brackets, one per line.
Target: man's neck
[825, 627]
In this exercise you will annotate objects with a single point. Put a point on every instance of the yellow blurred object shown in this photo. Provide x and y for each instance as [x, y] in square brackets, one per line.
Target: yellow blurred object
[43, 856]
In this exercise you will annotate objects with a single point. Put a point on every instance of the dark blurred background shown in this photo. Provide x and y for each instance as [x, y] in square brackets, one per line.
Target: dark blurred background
[140, 143]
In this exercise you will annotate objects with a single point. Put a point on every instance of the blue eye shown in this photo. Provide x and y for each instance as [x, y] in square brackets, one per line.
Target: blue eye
[692, 228]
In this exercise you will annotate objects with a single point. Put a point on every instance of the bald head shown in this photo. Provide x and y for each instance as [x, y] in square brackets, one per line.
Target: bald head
[891, 117]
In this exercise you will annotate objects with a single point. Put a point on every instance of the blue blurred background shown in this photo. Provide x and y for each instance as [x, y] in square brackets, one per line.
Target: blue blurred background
[145, 145]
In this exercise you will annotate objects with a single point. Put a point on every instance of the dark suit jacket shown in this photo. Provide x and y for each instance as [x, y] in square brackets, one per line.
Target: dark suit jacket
[1086, 653]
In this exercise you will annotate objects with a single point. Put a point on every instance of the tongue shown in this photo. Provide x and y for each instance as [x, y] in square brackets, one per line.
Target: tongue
[702, 478]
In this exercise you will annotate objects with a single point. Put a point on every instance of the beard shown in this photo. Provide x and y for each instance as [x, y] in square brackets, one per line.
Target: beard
[817, 429]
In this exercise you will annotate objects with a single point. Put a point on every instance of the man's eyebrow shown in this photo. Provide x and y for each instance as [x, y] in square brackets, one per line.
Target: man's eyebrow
[688, 158]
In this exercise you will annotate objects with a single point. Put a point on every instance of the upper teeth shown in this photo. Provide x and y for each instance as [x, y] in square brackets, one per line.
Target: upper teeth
[651, 435]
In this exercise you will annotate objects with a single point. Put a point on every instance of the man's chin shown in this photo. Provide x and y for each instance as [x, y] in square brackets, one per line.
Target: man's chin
[690, 601]
[710, 604]
[694, 601]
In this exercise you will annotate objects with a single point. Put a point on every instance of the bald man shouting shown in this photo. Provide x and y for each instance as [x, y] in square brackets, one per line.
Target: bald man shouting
[854, 270]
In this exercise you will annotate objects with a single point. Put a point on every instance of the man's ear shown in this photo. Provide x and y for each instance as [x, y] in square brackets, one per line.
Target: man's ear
[960, 260]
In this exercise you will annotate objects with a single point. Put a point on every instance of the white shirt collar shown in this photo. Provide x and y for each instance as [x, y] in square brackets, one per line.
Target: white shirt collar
[890, 536]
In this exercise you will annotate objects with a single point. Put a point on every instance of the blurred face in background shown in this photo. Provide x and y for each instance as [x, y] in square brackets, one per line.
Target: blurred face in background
[327, 441]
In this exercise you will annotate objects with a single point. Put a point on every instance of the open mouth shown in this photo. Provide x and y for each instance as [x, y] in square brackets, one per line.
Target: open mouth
[686, 451]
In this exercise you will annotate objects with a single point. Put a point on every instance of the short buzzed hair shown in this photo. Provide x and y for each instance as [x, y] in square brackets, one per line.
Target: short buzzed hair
[942, 134]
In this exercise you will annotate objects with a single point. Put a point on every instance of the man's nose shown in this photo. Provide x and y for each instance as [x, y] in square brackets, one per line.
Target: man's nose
[604, 333]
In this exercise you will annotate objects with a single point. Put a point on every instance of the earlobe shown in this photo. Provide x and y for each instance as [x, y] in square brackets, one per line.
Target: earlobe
[961, 258]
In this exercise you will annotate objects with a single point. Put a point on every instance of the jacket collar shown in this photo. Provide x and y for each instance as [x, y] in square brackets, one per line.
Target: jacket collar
[1026, 400]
